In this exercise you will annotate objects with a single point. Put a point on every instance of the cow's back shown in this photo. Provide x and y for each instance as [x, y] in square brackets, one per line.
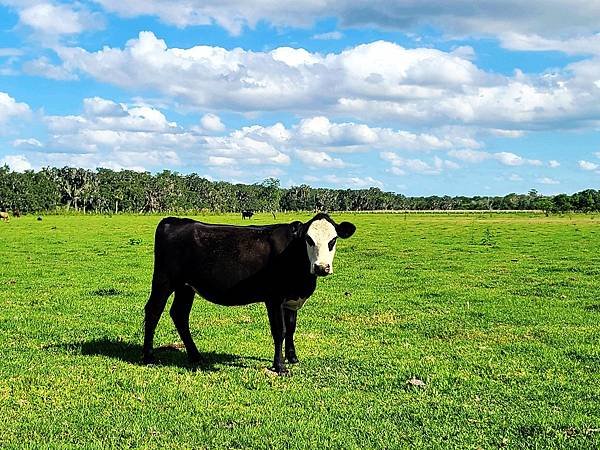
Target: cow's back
[225, 264]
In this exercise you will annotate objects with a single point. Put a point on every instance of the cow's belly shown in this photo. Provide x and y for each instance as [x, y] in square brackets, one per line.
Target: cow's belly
[239, 297]
[229, 297]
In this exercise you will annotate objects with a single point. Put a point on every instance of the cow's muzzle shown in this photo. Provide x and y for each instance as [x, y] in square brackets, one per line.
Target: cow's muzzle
[322, 270]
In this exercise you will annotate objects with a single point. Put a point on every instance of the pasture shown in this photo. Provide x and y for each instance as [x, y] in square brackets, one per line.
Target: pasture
[497, 314]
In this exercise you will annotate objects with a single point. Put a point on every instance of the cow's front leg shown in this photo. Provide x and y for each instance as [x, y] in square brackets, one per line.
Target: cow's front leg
[290, 317]
[275, 312]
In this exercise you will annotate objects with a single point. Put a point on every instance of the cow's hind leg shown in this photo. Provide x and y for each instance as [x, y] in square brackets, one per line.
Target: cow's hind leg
[290, 317]
[180, 313]
[153, 310]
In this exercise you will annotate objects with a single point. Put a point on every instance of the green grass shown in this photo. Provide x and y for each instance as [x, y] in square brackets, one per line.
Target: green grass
[497, 314]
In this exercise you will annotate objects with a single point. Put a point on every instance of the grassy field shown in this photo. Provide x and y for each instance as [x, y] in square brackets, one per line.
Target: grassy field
[497, 314]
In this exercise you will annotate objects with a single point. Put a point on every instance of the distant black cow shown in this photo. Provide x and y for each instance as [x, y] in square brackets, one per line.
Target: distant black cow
[247, 215]
[237, 265]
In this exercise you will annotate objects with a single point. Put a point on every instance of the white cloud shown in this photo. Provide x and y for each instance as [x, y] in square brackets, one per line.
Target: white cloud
[587, 165]
[212, 122]
[99, 107]
[332, 35]
[507, 133]
[350, 136]
[242, 148]
[319, 159]
[17, 163]
[459, 17]
[43, 67]
[48, 18]
[506, 158]
[587, 44]
[380, 80]
[547, 180]
[114, 133]
[355, 182]
[26, 143]
[471, 156]
[10, 108]
[515, 177]
[294, 57]
[553, 164]
[401, 165]
[110, 134]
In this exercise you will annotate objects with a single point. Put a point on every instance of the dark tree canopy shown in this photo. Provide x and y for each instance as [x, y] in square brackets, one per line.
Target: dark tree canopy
[109, 191]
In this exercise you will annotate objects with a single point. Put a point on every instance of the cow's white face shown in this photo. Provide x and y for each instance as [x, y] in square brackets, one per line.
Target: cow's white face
[320, 246]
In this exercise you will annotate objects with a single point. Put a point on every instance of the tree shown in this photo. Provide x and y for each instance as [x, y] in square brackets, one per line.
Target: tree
[562, 203]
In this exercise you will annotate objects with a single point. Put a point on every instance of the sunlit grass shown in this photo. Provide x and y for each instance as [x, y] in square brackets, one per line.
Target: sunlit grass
[498, 315]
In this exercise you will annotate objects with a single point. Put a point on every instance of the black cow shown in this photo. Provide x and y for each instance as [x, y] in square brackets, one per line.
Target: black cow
[247, 215]
[237, 265]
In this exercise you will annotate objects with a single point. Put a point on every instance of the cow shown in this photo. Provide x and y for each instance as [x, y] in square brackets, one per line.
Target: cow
[238, 265]
[247, 215]
[4, 216]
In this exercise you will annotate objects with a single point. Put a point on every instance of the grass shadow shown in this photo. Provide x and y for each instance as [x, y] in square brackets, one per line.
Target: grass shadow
[166, 355]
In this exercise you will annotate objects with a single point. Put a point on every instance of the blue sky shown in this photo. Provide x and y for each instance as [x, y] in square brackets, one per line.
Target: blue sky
[421, 98]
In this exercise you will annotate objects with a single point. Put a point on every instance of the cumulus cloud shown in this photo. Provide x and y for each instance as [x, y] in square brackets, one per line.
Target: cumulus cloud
[319, 159]
[110, 134]
[547, 180]
[116, 135]
[244, 147]
[119, 135]
[52, 19]
[585, 45]
[506, 158]
[380, 80]
[16, 163]
[42, 66]
[27, 143]
[10, 108]
[141, 137]
[459, 17]
[587, 165]
[354, 182]
[553, 164]
[401, 165]
[211, 122]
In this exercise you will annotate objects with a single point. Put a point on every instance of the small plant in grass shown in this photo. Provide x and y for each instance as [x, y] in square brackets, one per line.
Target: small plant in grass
[488, 238]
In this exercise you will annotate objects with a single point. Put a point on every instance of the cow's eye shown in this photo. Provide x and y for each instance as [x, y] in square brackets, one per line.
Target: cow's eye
[309, 241]
[332, 243]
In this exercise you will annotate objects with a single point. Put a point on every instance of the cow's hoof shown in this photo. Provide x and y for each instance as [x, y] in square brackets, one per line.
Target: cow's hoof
[292, 359]
[281, 371]
[148, 359]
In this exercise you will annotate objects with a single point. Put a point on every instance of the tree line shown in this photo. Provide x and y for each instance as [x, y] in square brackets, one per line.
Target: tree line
[107, 191]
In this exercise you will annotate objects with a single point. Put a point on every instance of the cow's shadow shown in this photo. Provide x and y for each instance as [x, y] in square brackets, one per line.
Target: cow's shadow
[166, 355]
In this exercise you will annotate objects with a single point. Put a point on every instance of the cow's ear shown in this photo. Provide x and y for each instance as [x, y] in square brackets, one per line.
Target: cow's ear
[296, 228]
[345, 230]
